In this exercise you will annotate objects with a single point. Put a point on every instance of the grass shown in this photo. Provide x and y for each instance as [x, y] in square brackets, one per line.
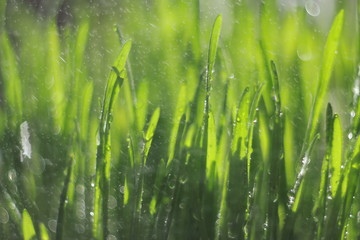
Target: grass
[240, 126]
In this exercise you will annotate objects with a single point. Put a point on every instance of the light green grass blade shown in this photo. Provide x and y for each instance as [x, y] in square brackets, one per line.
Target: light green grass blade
[43, 232]
[214, 39]
[104, 148]
[55, 74]
[150, 132]
[27, 226]
[10, 75]
[336, 156]
[330, 52]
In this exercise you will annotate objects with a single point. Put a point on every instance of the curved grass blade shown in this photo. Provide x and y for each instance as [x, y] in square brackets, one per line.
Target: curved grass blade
[150, 133]
[214, 39]
[104, 148]
[330, 52]
[27, 226]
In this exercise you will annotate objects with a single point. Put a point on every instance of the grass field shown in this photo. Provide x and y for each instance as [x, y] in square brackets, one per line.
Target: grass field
[175, 119]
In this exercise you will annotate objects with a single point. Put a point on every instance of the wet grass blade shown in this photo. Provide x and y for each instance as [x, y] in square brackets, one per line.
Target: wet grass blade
[336, 156]
[103, 157]
[63, 197]
[27, 226]
[330, 52]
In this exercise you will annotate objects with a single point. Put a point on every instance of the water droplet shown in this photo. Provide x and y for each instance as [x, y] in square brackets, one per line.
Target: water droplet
[92, 185]
[181, 205]
[25, 142]
[12, 175]
[350, 136]
[80, 228]
[352, 113]
[52, 225]
[183, 179]
[111, 237]
[80, 189]
[312, 8]
[122, 189]
[92, 214]
[4, 215]
[171, 184]
[112, 203]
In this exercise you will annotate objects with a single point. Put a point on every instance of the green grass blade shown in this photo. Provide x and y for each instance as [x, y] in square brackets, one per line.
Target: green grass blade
[43, 232]
[150, 132]
[214, 39]
[104, 148]
[27, 226]
[10, 76]
[330, 52]
[62, 205]
[319, 209]
[296, 191]
[336, 156]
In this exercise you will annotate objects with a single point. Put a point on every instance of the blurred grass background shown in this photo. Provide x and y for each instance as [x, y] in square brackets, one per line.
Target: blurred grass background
[55, 57]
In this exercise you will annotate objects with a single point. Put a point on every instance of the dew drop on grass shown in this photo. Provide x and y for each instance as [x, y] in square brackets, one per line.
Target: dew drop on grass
[4, 216]
[183, 179]
[352, 113]
[111, 237]
[92, 185]
[112, 203]
[92, 214]
[122, 189]
[350, 136]
[80, 189]
[25, 142]
[312, 8]
[80, 228]
[358, 217]
[52, 225]
[12, 175]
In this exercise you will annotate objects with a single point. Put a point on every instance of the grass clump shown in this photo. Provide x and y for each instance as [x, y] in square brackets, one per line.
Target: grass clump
[202, 133]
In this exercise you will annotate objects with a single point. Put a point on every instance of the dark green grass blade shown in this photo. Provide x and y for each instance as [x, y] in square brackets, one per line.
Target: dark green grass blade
[63, 197]
[104, 148]
[319, 209]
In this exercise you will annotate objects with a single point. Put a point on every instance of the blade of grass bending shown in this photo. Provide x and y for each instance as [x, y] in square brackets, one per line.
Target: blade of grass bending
[150, 133]
[330, 52]
[128, 67]
[27, 226]
[63, 197]
[114, 83]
